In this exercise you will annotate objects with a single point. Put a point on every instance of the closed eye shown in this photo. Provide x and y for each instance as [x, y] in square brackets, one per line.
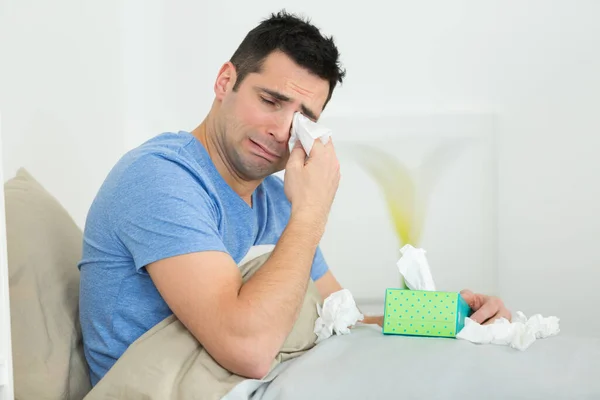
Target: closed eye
[267, 101]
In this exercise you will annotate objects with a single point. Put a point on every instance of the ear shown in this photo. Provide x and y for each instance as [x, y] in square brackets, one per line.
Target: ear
[225, 80]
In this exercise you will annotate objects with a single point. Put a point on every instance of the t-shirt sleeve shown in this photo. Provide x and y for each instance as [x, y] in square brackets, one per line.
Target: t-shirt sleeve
[319, 267]
[161, 210]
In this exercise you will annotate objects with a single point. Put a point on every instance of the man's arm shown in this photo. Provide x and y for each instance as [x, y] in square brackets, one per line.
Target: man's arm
[243, 326]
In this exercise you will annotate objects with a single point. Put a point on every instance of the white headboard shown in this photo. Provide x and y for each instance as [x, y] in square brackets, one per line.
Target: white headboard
[6, 373]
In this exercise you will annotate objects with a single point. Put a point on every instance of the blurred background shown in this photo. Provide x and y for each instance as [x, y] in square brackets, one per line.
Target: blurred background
[468, 128]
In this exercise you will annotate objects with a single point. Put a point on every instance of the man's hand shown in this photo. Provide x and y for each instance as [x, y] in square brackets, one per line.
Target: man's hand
[311, 186]
[486, 308]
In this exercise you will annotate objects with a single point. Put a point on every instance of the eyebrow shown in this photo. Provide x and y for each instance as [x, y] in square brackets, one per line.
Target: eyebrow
[281, 97]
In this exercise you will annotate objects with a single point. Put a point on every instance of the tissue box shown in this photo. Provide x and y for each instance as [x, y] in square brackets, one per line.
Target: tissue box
[424, 313]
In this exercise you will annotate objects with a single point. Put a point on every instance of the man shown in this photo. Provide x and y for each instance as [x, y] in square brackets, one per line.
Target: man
[175, 216]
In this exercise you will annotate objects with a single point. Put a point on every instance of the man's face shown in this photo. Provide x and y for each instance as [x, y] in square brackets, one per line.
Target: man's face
[255, 121]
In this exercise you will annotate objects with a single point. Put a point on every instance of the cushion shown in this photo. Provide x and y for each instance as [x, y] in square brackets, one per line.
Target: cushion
[44, 246]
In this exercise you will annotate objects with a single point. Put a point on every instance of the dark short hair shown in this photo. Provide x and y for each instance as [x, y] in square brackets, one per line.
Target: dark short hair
[295, 37]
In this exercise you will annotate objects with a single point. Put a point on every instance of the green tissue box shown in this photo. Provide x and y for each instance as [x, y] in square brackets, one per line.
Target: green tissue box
[424, 313]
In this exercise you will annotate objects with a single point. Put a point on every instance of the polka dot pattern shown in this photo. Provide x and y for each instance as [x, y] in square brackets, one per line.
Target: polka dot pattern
[404, 307]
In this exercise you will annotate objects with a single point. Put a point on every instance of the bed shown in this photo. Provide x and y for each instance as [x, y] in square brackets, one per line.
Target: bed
[44, 245]
[369, 365]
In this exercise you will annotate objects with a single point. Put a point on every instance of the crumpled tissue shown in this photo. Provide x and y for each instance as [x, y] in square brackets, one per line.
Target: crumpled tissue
[307, 131]
[338, 314]
[519, 334]
[414, 268]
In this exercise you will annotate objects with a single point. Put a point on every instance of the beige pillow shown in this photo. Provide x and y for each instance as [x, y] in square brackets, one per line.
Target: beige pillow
[44, 246]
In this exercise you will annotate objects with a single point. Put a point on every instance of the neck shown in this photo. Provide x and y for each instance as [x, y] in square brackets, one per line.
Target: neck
[206, 133]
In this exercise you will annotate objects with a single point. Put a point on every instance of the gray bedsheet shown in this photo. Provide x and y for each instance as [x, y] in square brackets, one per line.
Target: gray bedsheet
[369, 365]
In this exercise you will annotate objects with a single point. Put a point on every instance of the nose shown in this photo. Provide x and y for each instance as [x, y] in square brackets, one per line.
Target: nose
[282, 125]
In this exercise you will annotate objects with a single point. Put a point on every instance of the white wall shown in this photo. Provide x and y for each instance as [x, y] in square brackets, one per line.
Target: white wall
[61, 94]
[97, 78]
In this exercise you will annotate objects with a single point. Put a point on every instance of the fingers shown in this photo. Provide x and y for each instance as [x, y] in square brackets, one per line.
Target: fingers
[485, 312]
[475, 301]
[491, 310]
[486, 309]
[502, 313]
[297, 156]
[467, 296]
[319, 148]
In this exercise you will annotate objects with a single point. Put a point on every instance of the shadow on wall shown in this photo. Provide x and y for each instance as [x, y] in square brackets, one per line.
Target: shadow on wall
[426, 180]
[406, 193]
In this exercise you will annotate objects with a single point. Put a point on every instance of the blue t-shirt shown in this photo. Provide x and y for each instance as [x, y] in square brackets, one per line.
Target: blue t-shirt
[162, 199]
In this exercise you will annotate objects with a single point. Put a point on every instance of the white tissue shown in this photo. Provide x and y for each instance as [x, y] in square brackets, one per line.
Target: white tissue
[307, 132]
[519, 334]
[338, 314]
[414, 268]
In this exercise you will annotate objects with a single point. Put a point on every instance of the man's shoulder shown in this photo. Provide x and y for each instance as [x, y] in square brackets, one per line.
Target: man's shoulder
[163, 161]
[162, 149]
[164, 168]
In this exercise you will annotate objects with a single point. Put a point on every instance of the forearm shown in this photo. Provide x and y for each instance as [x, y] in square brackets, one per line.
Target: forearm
[269, 302]
[262, 312]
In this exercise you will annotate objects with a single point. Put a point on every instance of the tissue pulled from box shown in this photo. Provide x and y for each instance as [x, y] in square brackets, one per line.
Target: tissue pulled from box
[414, 268]
[307, 131]
[519, 334]
[338, 314]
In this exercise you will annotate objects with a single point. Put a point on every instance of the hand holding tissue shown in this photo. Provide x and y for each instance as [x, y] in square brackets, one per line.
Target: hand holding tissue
[306, 132]
[422, 311]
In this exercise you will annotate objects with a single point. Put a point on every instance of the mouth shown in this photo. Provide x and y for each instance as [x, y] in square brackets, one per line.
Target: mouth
[264, 152]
